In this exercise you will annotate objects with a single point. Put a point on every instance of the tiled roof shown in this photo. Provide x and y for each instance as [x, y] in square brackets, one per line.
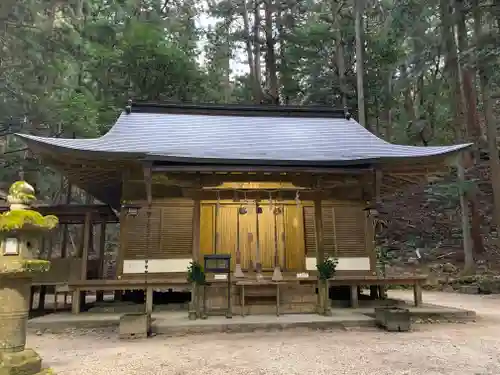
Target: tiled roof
[274, 139]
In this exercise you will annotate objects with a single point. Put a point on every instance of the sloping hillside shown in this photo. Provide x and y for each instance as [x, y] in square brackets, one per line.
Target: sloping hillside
[424, 230]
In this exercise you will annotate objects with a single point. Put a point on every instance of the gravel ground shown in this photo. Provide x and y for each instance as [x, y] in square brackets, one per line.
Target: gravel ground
[461, 349]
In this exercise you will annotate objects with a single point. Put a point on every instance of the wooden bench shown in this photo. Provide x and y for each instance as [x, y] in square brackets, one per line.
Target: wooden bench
[76, 287]
[356, 281]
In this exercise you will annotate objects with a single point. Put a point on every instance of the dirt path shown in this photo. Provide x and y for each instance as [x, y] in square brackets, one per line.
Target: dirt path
[444, 349]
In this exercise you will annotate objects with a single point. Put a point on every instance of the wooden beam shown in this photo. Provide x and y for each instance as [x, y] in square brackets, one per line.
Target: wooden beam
[270, 169]
[346, 193]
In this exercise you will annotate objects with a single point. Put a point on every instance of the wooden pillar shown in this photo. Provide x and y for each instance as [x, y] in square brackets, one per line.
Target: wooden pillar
[320, 249]
[196, 230]
[417, 293]
[42, 291]
[148, 180]
[102, 249]
[376, 291]
[318, 226]
[195, 298]
[79, 297]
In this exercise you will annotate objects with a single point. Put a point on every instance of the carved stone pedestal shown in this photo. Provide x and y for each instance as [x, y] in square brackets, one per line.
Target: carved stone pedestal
[15, 359]
[20, 229]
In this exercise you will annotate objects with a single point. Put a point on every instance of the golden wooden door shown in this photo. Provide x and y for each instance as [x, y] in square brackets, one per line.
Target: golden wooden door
[271, 225]
[247, 240]
[226, 231]
[294, 238]
[290, 235]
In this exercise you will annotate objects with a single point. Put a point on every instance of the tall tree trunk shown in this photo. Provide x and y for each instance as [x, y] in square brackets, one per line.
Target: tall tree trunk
[388, 109]
[468, 96]
[256, 45]
[468, 252]
[252, 64]
[283, 66]
[271, 66]
[339, 51]
[359, 29]
[452, 68]
[468, 74]
[408, 99]
[491, 127]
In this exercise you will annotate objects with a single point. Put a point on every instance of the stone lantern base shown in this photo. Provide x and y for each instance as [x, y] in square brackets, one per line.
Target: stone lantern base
[26, 362]
[15, 359]
[19, 229]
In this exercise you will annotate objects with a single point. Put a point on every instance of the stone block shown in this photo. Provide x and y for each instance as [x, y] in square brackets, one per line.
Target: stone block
[26, 362]
[135, 326]
[489, 286]
[469, 289]
[393, 319]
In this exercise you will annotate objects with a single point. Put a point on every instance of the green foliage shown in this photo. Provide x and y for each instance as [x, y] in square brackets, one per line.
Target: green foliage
[384, 257]
[72, 66]
[448, 193]
[195, 273]
[326, 269]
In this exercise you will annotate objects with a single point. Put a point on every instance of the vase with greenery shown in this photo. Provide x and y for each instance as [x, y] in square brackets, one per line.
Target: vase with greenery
[326, 270]
[196, 276]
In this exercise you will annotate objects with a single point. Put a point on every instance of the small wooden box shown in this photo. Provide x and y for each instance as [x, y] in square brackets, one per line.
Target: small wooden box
[135, 326]
[393, 319]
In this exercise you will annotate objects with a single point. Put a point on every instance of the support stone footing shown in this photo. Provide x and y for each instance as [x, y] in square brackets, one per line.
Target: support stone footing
[26, 362]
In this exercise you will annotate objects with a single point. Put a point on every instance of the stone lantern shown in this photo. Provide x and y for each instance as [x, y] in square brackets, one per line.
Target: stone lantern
[20, 231]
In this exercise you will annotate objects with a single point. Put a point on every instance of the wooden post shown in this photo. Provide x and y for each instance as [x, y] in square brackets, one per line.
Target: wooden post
[327, 305]
[148, 180]
[79, 297]
[258, 264]
[195, 295]
[417, 293]
[320, 250]
[42, 291]
[354, 296]
[102, 250]
[376, 291]
[149, 300]
[196, 229]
